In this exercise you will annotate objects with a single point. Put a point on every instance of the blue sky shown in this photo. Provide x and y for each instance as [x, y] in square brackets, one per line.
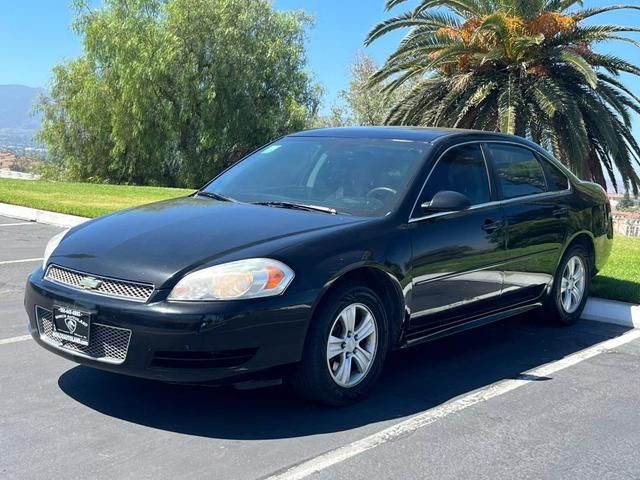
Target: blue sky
[35, 35]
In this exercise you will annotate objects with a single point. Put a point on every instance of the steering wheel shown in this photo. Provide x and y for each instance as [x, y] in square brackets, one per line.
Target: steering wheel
[387, 190]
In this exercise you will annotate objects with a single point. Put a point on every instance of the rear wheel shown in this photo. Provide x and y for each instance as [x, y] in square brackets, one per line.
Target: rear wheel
[570, 286]
[346, 346]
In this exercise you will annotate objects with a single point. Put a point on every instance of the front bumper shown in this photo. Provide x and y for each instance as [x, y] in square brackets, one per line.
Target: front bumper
[199, 342]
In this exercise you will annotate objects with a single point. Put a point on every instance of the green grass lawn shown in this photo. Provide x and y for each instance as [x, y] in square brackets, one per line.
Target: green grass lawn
[84, 199]
[620, 278]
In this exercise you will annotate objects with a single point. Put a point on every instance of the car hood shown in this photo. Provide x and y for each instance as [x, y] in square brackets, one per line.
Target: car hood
[159, 242]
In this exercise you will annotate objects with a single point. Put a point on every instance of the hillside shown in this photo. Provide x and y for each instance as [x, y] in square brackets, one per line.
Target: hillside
[16, 106]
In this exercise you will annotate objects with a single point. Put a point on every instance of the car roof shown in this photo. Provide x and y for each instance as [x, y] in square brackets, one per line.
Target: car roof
[416, 134]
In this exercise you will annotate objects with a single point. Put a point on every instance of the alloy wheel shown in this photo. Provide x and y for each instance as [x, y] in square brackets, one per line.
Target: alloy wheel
[572, 284]
[352, 345]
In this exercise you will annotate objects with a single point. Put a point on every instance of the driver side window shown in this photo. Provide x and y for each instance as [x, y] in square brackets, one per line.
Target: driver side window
[461, 169]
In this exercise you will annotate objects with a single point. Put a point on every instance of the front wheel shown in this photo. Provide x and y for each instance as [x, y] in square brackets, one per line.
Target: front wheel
[570, 286]
[345, 349]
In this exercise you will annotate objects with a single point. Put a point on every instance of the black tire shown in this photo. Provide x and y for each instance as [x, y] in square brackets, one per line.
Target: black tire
[311, 379]
[554, 308]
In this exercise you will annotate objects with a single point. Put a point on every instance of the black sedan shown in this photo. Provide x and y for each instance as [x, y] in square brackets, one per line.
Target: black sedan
[315, 256]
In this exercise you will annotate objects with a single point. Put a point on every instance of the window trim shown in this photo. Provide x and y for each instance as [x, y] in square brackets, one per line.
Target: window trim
[546, 164]
[433, 167]
[494, 202]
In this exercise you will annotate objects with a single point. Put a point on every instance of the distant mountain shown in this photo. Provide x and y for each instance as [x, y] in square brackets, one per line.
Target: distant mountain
[16, 107]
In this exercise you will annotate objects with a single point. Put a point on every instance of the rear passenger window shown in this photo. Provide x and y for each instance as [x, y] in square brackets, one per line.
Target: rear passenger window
[518, 171]
[556, 180]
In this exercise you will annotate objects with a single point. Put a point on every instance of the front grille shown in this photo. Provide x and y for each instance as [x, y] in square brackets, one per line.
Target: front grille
[108, 287]
[106, 344]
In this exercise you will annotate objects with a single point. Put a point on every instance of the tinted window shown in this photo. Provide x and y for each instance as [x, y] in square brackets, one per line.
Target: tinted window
[353, 175]
[518, 171]
[462, 170]
[556, 180]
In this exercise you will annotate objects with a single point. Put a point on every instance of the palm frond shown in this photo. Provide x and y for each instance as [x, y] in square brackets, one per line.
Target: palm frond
[421, 46]
[426, 20]
[464, 8]
[611, 63]
[560, 5]
[591, 34]
[591, 12]
[507, 108]
[580, 65]
[529, 9]
[393, 3]
[602, 77]
[547, 98]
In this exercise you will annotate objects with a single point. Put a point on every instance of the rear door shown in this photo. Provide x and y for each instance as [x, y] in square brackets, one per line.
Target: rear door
[457, 256]
[536, 211]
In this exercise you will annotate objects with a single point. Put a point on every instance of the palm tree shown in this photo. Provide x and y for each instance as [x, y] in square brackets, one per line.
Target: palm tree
[525, 67]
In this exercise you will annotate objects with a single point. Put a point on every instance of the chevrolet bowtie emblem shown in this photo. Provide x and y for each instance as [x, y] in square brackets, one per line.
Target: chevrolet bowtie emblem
[90, 283]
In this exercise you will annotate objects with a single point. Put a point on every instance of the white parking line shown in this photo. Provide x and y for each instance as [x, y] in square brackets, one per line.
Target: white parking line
[16, 224]
[412, 424]
[24, 260]
[21, 338]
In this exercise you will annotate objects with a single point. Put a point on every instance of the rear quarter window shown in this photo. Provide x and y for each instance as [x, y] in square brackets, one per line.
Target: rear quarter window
[556, 180]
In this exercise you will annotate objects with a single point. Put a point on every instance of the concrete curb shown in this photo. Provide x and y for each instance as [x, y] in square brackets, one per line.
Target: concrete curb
[611, 311]
[40, 216]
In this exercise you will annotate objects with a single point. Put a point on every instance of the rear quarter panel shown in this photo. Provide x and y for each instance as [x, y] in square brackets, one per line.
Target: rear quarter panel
[594, 215]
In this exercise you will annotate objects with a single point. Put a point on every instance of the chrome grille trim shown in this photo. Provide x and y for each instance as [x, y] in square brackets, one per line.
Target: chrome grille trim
[108, 287]
[106, 343]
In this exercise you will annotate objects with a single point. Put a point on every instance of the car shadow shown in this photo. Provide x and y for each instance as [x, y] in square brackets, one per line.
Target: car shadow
[414, 380]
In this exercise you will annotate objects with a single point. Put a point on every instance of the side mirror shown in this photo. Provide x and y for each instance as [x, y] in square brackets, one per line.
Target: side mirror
[447, 201]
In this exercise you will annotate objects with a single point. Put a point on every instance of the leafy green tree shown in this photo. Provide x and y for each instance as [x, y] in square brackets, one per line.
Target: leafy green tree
[526, 67]
[168, 92]
[362, 103]
[339, 116]
[368, 105]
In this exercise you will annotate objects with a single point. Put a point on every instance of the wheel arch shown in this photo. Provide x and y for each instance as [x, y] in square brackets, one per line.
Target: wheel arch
[384, 283]
[587, 239]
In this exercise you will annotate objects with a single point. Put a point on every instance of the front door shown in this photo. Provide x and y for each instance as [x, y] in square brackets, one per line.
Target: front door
[457, 256]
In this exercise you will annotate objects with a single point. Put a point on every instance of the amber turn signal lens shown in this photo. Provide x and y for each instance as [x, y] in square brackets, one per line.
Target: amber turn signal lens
[276, 276]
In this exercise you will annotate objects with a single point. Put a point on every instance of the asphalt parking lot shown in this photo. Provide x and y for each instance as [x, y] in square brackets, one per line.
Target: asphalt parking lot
[517, 399]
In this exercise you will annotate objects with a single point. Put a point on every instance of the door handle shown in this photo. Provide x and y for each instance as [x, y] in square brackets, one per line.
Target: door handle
[491, 226]
[560, 212]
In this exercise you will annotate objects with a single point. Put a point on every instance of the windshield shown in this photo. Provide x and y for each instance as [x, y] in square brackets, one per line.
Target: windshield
[353, 176]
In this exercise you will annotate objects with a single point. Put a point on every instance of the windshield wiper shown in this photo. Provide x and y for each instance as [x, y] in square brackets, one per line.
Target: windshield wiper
[299, 206]
[215, 196]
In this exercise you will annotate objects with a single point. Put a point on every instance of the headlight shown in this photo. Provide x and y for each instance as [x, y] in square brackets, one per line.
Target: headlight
[251, 278]
[51, 246]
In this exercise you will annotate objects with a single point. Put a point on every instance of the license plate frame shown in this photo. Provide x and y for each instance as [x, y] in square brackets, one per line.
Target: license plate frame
[71, 324]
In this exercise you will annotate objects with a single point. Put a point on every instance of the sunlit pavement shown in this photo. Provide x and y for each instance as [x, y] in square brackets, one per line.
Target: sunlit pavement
[60, 420]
